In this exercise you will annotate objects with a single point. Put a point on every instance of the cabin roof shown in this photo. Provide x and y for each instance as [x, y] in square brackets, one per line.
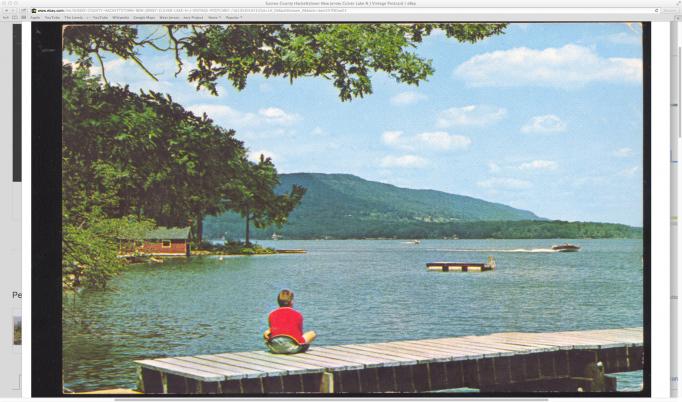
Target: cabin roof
[164, 233]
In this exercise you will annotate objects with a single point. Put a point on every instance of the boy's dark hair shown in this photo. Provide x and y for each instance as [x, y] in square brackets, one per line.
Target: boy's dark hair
[285, 297]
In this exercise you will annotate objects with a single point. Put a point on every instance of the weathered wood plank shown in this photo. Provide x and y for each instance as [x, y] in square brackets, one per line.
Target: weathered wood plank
[252, 370]
[230, 372]
[456, 353]
[380, 351]
[326, 362]
[484, 343]
[377, 356]
[289, 367]
[486, 351]
[286, 360]
[438, 354]
[400, 366]
[189, 372]
[570, 340]
[397, 349]
[367, 361]
[266, 368]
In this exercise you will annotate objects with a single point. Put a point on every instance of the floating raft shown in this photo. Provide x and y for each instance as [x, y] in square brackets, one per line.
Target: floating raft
[513, 361]
[461, 266]
[291, 251]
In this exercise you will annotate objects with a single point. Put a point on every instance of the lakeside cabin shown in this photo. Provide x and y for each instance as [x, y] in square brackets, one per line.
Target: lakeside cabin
[161, 241]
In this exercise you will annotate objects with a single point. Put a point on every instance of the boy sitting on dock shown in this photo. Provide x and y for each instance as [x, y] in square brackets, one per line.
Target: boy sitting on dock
[285, 335]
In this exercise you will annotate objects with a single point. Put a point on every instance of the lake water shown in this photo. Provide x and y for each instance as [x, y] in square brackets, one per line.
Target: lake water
[349, 291]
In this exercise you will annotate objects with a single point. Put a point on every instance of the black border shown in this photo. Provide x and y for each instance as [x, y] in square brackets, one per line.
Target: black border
[46, 214]
[16, 102]
[46, 339]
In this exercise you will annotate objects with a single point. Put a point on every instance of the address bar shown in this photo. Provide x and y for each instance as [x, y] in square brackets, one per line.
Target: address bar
[498, 10]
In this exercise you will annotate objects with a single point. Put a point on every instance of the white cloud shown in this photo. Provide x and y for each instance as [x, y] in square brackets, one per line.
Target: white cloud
[440, 140]
[567, 67]
[319, 132]
[407, 98]
[232, 118]
[505, 183]
[539, 165]
[548, 123]
[623, 152]
[629, 172]
[624, 38]
[393, 138]
[278, 116]
[471, 115]
[493, 167]
[404, 161]
[254, 156]
[434, 141]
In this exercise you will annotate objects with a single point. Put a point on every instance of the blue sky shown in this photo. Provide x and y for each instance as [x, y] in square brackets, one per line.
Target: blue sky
[547, 117]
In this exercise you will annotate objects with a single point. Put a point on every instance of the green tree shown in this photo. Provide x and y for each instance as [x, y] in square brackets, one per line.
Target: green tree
[142, 154]
[254, 197]
[90, 248]
[345, 54]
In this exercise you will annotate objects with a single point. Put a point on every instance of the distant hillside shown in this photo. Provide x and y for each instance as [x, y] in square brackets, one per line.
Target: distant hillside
[342, 206]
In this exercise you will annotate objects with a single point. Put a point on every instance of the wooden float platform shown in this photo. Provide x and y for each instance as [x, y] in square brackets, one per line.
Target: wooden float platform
[513, 361]
[461, 266]
[290, 251]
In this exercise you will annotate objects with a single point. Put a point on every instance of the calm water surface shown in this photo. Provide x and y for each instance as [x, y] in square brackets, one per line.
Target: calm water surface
[348, 291]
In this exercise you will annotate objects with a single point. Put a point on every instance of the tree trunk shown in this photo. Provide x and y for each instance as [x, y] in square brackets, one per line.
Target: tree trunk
[246, 240]
[200, 228]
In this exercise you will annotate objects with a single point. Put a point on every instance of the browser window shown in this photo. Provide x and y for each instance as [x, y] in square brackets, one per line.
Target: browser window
[341, 198]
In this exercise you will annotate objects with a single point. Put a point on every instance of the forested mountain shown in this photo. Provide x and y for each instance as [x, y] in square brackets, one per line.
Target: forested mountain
[341, 206]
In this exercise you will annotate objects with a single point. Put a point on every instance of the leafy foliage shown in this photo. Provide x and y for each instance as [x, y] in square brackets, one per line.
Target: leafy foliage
[141, 154]
[346, 54]
[255, 198]
[89, 257]
[130, 160]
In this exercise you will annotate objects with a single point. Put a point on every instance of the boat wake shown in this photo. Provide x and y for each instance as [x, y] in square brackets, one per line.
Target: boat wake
[492, 250]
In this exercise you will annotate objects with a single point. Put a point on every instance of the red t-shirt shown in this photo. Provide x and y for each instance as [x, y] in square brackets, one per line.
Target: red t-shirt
[287, 321]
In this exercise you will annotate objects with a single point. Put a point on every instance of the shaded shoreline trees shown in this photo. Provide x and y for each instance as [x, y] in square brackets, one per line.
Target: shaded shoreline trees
[133, 160]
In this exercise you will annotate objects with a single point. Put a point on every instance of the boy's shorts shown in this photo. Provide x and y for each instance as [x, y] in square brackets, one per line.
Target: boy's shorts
[285, 345]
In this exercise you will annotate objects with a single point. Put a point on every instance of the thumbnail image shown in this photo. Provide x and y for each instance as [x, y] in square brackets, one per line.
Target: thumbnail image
[16, 338]
[353, 208]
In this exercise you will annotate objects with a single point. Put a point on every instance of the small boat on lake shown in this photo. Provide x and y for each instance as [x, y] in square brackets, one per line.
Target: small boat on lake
[566, 247]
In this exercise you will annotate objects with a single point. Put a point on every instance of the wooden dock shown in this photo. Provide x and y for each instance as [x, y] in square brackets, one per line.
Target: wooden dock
[508, 362]
[462, 266]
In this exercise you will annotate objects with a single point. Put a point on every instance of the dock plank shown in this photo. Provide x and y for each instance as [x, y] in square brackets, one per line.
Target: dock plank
[244, 370]
[325, 361]
[287, 360]
[369, 361]
[456, 351]
[353, 363]
[201, 375]
[383, 351]
[230, 372]
[376, 356]
[265, 367]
